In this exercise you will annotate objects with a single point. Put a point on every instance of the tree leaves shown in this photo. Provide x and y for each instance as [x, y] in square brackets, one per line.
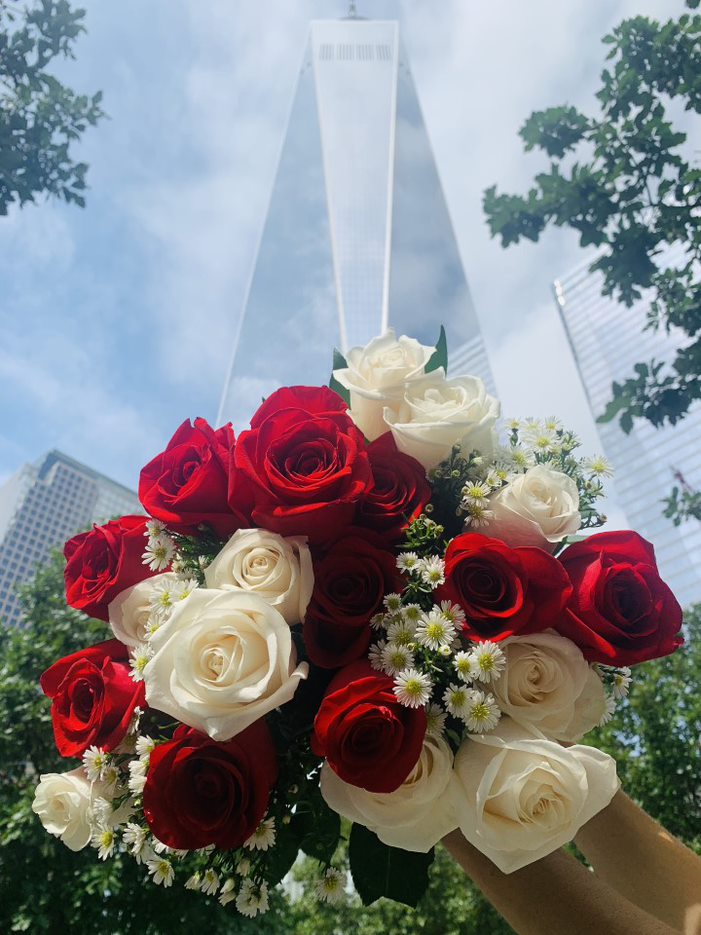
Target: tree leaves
[379, 870]
[339, 363]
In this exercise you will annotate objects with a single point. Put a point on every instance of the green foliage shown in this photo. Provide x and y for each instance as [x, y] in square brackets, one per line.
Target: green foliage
[379, 870]
[44, 887]
[439, 358]
[40, 118]
[619, 179]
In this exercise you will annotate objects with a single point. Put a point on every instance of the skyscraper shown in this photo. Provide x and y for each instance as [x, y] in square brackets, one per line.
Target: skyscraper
[41, 506]
[357, 235]
[607, 340]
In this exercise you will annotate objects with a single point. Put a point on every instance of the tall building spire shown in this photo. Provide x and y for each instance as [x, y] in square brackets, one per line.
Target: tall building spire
[352, 10]
[358, 236]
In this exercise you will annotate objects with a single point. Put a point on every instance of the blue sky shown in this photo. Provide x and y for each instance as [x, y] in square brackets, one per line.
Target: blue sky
[117, 320]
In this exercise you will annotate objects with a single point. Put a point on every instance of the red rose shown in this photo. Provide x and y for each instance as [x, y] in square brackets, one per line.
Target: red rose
[369, 739]
[94, 697]
[621, 611]
[306, 462]
[503, 591]
[400, 490]
[199, 792]
[104, 561]
[350, 582]
[189, 483]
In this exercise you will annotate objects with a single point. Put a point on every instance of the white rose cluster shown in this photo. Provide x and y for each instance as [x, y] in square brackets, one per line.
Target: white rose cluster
[427, 413]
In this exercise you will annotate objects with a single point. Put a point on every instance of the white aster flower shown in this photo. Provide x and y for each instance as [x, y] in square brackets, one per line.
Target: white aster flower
[210, 881]
[137, 775]
[487, 661]
[331, 888]
[139, 657]
[163, 597]
[183, 589]
[227, 893]
[135, 720]
[462, 662]
[412, 688]
[453, 612]
[94, 762]
[433, 571]
[411, 613]
[135, 838]
[155, 529]
[193, 882]
[252, 898]
[521, 459]
[435, 630]
[161, 870]
[478, 516]
[243, 866]
[456, 699]
[375, 654]
[435, 719]
[393, 603]
[145, 745]
[159, 553]
[493, 479]
[395, 658]
[609, 712]
[482, 713]
[401, 632]
[599, 466]
[110, 780]
[377, 621]
[263, 837]
[407, 561]
[621, 682]
[476, 492]
[104, 840]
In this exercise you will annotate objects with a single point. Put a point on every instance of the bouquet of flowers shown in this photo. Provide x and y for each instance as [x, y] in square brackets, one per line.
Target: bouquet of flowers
[377, 604]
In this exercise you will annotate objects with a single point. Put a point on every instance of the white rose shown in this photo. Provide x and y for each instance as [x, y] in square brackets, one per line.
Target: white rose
[538, 508]
[278, 570]
[63, 802]
[548, 684]
[416, 815]
[522, 796]
[436, 413]
[222, 660]
[375, 376]
[130, 610]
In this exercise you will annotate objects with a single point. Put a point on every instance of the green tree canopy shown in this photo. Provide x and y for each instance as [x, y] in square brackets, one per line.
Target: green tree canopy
[622, 180]
[40, 118]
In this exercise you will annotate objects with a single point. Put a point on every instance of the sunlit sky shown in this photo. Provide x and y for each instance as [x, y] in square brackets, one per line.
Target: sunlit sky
[117, 321]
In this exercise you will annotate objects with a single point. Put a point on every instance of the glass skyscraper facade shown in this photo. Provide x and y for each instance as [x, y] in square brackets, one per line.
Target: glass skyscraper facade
[357, 235]
[43, 505]
[607, 340]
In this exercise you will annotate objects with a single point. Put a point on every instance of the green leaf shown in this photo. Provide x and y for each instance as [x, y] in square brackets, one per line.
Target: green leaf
[283, 855]
[379, 870]
[440, 356]
[318, 829]
[339, 363]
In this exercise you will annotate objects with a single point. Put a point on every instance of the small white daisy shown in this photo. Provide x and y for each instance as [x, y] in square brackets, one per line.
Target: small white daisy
[487, 661]
[252, 898]
[435, 719]
[609, 712]
[456, 699]
[375, 654]
[478, 516]
[401, 632]
[145, 745]
[462, 663]
[227, 893]
[193, 882]
[331, 888]
[411, 613]
[599, 466]
[395, 658]
[139, 657]
[183, 589]
[407, 561]
[412, 688]
[243, 866]
[161, 870]
[159, 553]
[393, 603]
[94, 762]
[433, 571]
[263, 837]
[621, 682]
[453, 612]
[476, 492]
[137, 775]
[435, 630]
[210, 881]
[482, 712]
[105, 840]
[377, 621]
[135, 838]
[155, 529]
